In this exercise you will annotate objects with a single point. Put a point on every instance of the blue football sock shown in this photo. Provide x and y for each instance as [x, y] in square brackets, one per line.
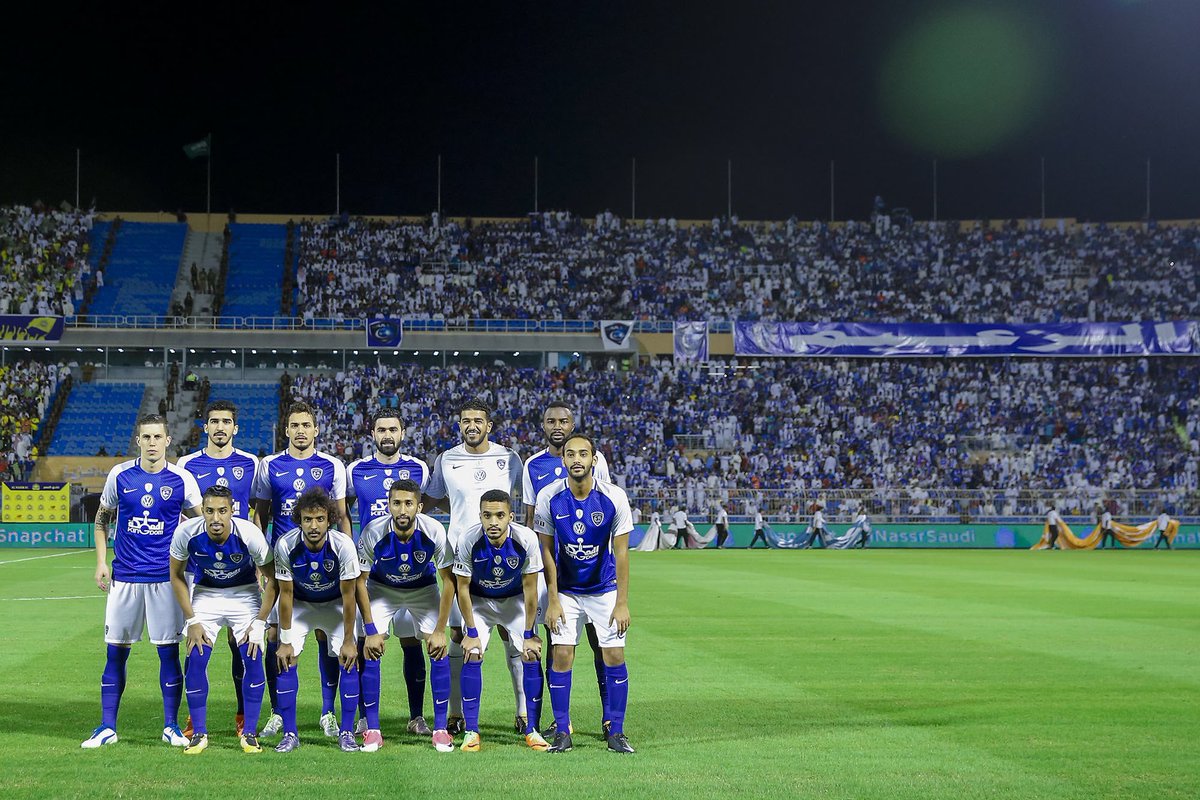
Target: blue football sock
[287, 688]
[349, 690]
[329, 679]
[532, 675]
[618, 696]
[170, 677]
[271, 667]
[472, 686]
[196, 682]
[369, 688]
[112, 684]
[238, 671]
[439, 682]
[362, 699]
[560, 698]
[602, 682]
[414, 679]
[253, 684]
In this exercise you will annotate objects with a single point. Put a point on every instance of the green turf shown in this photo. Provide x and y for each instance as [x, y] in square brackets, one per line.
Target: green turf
[876, 674]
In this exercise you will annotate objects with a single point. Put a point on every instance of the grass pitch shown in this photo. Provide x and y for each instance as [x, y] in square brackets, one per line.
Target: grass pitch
[876, 674]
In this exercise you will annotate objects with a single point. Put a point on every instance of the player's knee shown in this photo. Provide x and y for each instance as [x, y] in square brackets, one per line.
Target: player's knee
[564, 657]
[456, 635]
[614, 656]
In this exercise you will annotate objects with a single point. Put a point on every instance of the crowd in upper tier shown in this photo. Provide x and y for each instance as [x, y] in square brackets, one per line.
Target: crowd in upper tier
[559, 266]
[26, 389]
[43, 259]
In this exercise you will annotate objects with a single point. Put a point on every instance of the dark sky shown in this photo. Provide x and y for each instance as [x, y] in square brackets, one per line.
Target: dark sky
[882, 88]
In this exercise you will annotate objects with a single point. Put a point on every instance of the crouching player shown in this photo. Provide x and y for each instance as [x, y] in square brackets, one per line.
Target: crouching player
[317, 572]
[497, 565]
[222, 553]
[584, 525]
[401, 556]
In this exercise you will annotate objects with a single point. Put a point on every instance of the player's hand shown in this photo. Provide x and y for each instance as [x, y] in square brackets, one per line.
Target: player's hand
[373, 646]
[620, 616]
[437, 645]
[197, 639]
[103, 578]
[472, 648]
[554, 616]
[533, 649]
[349, 653]
[254, 638]
[287, 657]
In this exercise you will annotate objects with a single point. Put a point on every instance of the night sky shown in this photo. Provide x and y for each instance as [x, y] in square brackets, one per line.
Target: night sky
[1095, 87]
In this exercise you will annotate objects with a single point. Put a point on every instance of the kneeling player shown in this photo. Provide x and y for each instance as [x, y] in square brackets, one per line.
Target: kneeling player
[401, 556]
[221, 552]
[584, 526]
[497, 564]
[317, 572]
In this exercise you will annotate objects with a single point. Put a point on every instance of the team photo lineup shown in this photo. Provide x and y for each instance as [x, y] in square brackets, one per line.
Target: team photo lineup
[191, 558]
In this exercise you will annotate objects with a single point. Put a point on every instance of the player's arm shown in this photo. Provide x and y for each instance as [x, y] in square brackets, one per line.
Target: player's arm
[349, 653]
[197, 639]
[104, 520]
[532, 647]
[435, 495]
[438, 645]
[193, 511]
[286, 655]
[344, 522]
[554, 615]
[262, 513]
[620, 615]
[373, 645]
[470, 644]
[258, 627]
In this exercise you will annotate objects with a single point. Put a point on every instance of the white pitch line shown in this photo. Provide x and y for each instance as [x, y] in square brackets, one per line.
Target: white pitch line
[40, 599]
[52, 555]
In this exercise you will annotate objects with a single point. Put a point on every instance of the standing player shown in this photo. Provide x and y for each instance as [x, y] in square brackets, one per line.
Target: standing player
[369, 481]
[462, 474]
[219, 463]
[280, 480]
[543, 469]
[584, 525]
[497, 565]
[400, 557]
[142, 502]
[317, 571]
[224, 555]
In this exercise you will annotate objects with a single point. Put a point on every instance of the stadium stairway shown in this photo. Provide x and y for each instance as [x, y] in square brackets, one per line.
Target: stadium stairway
[142, 270]
[98, 415]
[203, 250]
[256, 253]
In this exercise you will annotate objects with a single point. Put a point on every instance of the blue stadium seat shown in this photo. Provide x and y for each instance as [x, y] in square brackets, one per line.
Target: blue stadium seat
[142, 270]
[97, 415]
[258, 409]
[252, 287]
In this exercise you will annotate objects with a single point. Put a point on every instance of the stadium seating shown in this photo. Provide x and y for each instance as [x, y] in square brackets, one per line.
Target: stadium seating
[252, 287]
[142, 270]
[258, 409]
[98, 415]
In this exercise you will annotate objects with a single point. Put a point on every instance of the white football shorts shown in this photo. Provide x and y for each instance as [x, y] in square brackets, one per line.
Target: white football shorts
[579, 609]
[133, 606]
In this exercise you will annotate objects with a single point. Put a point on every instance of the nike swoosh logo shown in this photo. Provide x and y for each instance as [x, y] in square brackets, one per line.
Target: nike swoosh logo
[369, 477]
[455, 466]
[618, 683]
[127, 491]
[256, 685]
[107, 685]
[539, 477]
[172, 685]
[194, 691]
[470, 699]
[438, 702]
[285, 691]
[369, 705]
[203, 475]
[561, 516]
[482, 560]
[281, 474]
[552, 686]
[387, 558]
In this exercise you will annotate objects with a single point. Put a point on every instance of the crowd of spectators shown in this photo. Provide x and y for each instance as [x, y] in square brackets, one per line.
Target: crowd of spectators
[26, 391]
[43, 259]
[558, 266]
[1000, 430]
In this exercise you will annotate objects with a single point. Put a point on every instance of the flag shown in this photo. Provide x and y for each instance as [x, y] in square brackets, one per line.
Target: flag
[198, 149]
[616, 333]
[691, 341]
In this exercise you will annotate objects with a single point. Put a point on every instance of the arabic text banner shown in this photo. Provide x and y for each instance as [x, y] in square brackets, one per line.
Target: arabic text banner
[930, 339]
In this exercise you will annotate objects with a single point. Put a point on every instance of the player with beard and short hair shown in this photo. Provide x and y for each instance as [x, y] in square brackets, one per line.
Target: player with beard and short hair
[369, 481]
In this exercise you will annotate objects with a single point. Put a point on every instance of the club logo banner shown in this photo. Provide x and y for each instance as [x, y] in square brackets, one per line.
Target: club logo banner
[615, 333]
[384, 332]
[17, 328]
[926, 339]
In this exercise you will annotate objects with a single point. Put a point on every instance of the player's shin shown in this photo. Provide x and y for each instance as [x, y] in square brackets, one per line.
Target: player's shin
[238, 671]
[329, 680]
[560, 697]
[271, 667]
[439, 682]
[532, 676]
[112, 684]
[414, 679]
[369, 688]
[253, 683]
[618, 696]
[196, 683]
[170, 678]
[517, 673]
[456, 666]
[472, 687]
[287, 686]
[601, 681]
[349, 690]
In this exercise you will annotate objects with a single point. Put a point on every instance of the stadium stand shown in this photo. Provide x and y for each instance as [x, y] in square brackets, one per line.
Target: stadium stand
[256, 254]
[43, 259]
[28, 393]
[98, 415]
[142, 270]
[258, 407]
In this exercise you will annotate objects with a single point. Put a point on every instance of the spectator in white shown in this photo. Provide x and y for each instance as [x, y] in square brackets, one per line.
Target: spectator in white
[1052, 523]
[1163, 522]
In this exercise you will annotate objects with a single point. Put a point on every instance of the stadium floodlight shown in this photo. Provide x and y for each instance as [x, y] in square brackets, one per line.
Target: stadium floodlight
[172, 351]
[436, 352]
[234, 352]
[119, 349]
[80, 350]
[415, 353]
[455, 352]
[27, 350]
[517, 353]
[192, 350]
[476, 352]
[395, 352]
[273, 352]
[253, 352]
[355, 352]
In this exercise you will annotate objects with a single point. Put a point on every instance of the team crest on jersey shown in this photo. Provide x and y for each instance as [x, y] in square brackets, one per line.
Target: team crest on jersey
[404, 556]
[419, 555]
[220, 470]
[317, 472]
[498, 559]
[388, 472]
[298, 484]
[220, 556]
[512, 562]
[402, 474]
[165, 492]
[235, 558]
[480, 475]
[147, 501]
[502, 463]
[579, 528]
[149, 487]
[313, 565]
[597, 518]
[238, 473]
[329, 565]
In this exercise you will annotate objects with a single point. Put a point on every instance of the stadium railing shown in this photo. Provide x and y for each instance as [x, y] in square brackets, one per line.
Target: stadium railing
[357, 324]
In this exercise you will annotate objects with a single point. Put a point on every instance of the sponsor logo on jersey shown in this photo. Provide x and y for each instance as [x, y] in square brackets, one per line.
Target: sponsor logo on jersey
[497, 571]
[387, 483]
[298, 484]
[480, 475]
[146, 525]
[379, 508]
[165, 492]
[147, 501]
[579, 528]
[220, 470]
[238, 473]
[219, 555]
[406, 567]
[222, 481]
[597, 518]
[317, 472]
[582, 552]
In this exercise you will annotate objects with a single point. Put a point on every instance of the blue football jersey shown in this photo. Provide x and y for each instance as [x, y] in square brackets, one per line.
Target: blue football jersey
[544, 469]
[583, 531]
[497, 571]
[148, 506]
[282, 479]
[225, 565]
[315, 576]
[235, 472]
[369, 481]
[404, 565]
